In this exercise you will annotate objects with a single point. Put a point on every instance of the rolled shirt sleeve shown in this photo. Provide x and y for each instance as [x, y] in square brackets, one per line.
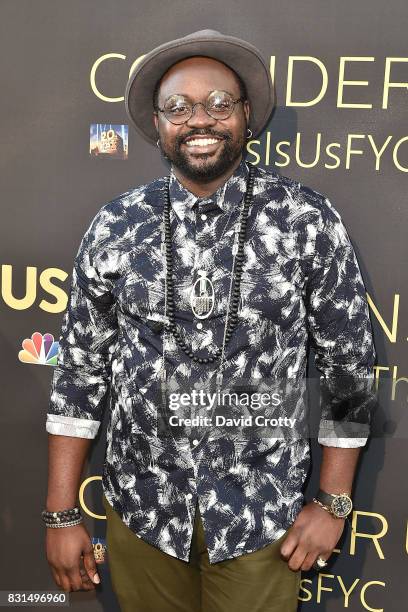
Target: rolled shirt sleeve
[81, 379]
[341, 335]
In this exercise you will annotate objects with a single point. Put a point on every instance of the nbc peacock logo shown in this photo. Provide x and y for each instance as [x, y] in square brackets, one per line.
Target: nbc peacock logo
[40, 349]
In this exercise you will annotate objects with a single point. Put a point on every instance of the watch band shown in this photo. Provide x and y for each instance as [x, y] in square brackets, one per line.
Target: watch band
[329, 501]
[325, 498]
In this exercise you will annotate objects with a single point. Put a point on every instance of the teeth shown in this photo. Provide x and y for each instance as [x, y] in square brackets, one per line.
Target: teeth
[201, 142]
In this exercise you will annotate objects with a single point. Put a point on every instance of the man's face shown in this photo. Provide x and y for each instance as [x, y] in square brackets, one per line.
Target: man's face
[195, 78]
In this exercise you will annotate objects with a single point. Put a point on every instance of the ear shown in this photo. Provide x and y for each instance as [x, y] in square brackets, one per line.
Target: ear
[156, 122]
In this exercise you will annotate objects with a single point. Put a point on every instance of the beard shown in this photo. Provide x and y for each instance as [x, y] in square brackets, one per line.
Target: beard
[206, 166]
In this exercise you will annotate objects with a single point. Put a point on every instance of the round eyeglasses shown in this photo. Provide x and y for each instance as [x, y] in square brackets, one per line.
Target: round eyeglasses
[218, 105]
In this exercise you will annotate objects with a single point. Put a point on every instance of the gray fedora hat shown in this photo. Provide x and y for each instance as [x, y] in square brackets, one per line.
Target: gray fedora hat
[241, 56]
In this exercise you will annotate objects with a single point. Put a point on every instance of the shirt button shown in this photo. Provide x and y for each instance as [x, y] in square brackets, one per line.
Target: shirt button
[203, 216]
[189, 496]
[199, 326]
[195, 442]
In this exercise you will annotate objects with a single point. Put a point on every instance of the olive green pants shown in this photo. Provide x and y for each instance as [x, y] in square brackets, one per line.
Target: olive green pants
[145, 579]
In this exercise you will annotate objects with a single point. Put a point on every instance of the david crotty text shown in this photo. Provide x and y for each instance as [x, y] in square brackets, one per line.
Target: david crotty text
[220, 420]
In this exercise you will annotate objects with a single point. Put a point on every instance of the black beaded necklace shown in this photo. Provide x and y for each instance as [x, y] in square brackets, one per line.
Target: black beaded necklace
[234, 293]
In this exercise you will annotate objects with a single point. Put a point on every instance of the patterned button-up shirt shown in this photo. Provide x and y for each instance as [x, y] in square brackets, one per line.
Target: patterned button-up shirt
[300, 282]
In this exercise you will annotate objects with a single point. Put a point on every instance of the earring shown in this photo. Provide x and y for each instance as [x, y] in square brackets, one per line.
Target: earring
[158, 146]
[250, 133]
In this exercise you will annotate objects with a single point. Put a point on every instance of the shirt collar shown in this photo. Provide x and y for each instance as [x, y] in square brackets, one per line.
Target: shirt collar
[226, 197]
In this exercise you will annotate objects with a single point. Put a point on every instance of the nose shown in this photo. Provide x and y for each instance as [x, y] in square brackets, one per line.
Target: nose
[200, 117]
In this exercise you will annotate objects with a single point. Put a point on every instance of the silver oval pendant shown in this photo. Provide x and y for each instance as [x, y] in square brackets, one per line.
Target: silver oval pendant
[202, 296]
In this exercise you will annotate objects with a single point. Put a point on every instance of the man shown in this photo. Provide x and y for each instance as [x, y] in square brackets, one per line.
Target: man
[221, 272]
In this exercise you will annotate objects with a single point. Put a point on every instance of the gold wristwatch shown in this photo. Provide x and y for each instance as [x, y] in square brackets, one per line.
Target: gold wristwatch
[338, 504]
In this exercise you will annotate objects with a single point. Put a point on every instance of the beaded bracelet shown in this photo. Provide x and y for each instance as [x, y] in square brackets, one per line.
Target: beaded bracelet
[62, 518]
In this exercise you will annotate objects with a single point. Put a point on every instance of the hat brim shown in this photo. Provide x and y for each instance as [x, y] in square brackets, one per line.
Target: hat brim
[239, 55]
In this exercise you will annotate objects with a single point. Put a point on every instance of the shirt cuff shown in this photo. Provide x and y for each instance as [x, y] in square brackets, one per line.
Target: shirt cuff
[343, 442]
[60, 425]
[343, 434]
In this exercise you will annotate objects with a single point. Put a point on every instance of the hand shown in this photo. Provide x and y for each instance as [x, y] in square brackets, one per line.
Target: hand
[314, 533]
[71, 558]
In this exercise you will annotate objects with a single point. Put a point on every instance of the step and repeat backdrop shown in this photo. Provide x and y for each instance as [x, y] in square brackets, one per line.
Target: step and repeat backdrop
[340, 127]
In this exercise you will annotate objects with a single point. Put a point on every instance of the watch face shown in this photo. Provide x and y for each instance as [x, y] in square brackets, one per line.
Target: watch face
[342, 505]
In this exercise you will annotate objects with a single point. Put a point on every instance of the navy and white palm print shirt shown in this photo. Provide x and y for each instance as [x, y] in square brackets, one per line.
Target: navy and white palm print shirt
[300, 281]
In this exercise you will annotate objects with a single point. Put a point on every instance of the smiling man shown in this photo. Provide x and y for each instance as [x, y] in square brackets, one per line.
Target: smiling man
[218, 272]
[204, 149]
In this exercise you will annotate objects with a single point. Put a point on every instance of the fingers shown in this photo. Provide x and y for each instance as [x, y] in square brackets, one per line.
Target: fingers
[65, 583]
[292, 551]
[320, 561]
[299, 554]
[61, 578]
[87, 583]
[304, 560]
[90, 565]
[290, 543]
[74, 578]
[56, 577]
[309, 561]
[297, 558]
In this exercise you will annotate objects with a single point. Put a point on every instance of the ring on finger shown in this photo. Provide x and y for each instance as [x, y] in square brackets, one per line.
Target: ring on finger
[320, 563]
